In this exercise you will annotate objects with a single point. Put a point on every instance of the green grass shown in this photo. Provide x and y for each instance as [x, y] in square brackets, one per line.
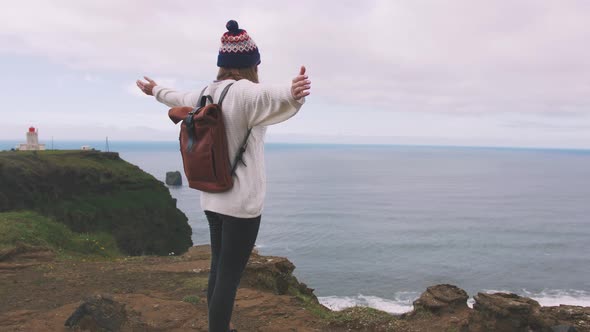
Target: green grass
[94, 211]
[32, 229]
[91, 162]
[191, 299]
[196, 283]
[316, 309]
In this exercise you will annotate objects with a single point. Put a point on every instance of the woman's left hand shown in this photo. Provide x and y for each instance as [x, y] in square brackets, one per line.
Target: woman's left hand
[146, 87]
[300, 85]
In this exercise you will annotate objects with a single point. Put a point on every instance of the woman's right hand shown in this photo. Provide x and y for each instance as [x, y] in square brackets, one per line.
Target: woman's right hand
[301, 85]
[146, 87]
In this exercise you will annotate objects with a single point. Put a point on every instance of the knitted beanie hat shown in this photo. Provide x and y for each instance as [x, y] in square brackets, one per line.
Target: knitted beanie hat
[237, 49]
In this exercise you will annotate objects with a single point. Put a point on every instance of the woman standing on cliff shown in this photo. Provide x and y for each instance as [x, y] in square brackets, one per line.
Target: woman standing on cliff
[234, 215]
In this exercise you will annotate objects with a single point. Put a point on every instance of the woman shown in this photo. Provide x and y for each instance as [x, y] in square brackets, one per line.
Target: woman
[234, 216]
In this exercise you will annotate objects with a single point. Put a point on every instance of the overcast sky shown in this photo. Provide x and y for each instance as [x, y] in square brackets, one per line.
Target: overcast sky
[459, 72]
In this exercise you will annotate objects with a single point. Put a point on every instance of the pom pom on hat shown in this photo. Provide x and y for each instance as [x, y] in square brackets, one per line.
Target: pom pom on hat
[232, 26]
[237, 49]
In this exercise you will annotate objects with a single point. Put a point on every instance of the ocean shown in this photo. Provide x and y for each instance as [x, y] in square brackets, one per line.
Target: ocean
[376, 225]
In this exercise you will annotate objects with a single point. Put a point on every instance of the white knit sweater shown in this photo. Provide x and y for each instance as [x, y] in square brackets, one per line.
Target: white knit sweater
[246, 105]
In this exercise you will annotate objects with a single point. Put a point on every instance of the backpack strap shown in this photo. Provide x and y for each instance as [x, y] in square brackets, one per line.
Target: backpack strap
[240, 153]
[223, 93]
[200, 100]
[188, 121]
[203, 101]
[242, 149]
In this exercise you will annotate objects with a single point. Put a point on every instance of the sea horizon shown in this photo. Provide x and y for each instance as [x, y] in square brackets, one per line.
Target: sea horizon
[75, 144]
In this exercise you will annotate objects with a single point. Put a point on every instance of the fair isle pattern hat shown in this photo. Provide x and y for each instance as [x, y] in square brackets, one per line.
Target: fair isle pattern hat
[237, 49]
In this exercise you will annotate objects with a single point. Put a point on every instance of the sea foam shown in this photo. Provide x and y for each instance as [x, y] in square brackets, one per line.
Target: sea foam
[401, 305]
[403, 301]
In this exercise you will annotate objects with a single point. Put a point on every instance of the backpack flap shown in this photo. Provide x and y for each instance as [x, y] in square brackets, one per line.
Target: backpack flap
[177, 114]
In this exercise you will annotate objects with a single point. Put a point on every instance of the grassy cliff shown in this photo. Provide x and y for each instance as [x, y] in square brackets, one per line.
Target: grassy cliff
[95, 192]
[23, 231]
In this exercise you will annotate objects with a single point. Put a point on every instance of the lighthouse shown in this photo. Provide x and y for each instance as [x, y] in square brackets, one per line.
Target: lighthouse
[32, 141]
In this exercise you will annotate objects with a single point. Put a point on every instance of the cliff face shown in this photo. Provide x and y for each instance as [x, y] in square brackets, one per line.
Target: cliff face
[92, 191]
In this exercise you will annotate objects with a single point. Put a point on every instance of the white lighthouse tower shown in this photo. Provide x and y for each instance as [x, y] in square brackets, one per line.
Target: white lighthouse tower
[32, 141]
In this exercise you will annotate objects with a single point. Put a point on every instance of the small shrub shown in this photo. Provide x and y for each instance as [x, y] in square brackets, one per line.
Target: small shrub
[193, 299]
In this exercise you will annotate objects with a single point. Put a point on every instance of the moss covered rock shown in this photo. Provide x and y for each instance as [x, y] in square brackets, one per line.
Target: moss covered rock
[92, 191]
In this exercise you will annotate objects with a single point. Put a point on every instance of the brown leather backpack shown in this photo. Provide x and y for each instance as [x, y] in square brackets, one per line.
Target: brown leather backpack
[203, 145]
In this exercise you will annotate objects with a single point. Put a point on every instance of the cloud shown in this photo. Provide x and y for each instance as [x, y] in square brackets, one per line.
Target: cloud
[463, 56]
[91, 78]
[468, 71]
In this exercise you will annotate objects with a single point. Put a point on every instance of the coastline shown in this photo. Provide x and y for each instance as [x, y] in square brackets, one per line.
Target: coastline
[169, 293]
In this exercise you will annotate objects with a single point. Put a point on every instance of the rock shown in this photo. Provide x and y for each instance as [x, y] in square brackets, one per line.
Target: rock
[568, 312]
[98, 312]
[507, 312]
[442, 299]
[303, 288]
[174, 178]
[275, 274]
[272, 274]
[570, 316]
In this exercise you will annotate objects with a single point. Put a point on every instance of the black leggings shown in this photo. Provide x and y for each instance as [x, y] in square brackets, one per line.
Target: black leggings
[232, 240]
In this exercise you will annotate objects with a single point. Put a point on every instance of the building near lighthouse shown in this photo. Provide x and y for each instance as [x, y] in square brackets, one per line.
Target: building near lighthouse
[32, 143]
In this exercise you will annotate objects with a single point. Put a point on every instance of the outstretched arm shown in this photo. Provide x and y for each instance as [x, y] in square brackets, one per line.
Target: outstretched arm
[271, 105]
[167, 96]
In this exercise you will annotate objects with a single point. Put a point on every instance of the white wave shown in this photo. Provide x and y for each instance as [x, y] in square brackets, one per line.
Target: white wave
[403, 301]
[391, 306]
[555, 297]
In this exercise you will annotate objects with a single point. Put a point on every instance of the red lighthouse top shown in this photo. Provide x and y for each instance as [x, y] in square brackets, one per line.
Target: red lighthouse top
[31, 129]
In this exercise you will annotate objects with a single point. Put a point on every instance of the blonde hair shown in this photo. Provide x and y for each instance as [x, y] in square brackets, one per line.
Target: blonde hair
[249, 73]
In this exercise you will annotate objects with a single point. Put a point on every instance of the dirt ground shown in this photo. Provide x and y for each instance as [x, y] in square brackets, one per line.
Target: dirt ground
[39, 293]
